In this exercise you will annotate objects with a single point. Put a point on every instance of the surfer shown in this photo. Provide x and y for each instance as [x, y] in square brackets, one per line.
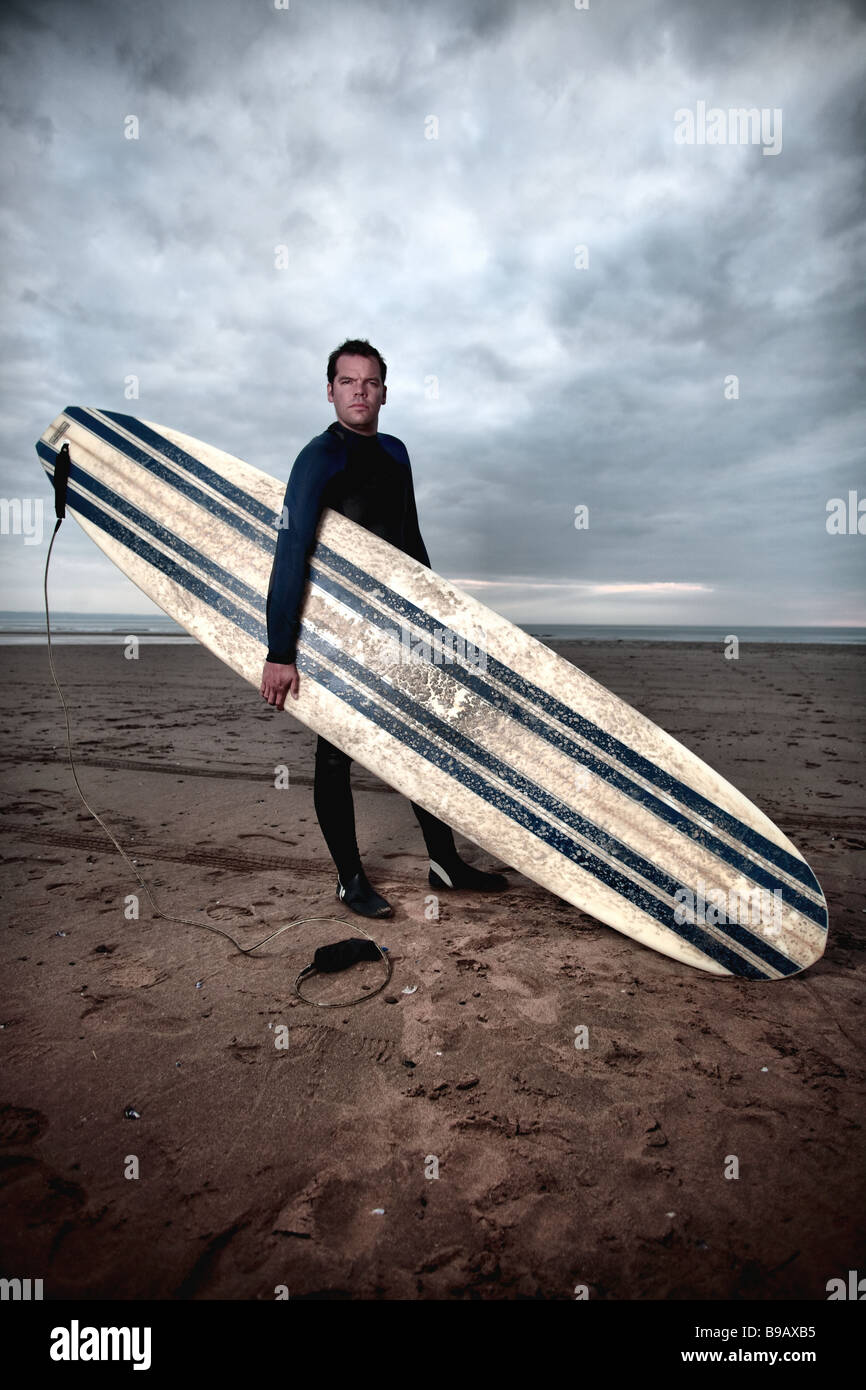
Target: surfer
[367, 477]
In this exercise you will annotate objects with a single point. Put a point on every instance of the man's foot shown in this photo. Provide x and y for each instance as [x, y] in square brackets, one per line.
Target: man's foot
[462, 875]
[358, 894]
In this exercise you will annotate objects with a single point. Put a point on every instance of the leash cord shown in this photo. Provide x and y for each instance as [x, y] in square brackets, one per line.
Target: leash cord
[168, 916]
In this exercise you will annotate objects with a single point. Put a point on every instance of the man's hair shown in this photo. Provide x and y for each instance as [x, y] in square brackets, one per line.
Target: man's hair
[355, 347]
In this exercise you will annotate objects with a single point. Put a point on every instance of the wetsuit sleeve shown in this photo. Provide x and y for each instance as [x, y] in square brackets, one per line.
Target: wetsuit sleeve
[295, 540]
[414, 545]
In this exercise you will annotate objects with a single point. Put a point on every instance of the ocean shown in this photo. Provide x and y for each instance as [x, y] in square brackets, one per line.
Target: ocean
[29, 628]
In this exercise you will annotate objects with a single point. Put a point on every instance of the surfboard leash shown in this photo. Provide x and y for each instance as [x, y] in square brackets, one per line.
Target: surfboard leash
[327, 959]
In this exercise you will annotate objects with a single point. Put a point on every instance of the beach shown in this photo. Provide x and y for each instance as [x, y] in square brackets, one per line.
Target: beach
[177, 1124]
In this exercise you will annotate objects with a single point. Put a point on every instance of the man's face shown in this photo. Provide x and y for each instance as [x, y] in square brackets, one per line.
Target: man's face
[357, 392]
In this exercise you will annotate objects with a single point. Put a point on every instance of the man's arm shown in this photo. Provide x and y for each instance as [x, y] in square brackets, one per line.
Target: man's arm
[297, 533]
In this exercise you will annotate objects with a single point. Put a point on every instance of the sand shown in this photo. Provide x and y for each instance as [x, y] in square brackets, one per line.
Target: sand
[445, 1140]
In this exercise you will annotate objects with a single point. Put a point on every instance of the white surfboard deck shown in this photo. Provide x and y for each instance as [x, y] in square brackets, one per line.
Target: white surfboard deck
[453, 705]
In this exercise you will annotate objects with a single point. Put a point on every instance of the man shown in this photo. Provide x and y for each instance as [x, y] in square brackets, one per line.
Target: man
[368, 478]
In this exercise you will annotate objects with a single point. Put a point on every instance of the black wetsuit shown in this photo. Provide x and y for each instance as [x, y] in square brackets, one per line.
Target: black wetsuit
[368, 478]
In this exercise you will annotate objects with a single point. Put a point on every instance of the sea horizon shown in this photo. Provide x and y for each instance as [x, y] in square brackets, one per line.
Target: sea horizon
[26, 627]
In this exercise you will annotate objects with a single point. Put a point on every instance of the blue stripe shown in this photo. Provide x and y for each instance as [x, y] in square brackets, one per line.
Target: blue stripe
[218, 481]
[606, 742]
[168, 567]
[160, 533]
[493, 796]
[167, 475]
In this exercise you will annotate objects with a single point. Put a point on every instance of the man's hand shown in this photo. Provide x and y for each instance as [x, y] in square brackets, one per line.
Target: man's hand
[277, 681]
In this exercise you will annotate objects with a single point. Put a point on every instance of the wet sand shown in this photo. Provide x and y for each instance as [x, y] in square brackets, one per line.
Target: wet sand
[311, 1166]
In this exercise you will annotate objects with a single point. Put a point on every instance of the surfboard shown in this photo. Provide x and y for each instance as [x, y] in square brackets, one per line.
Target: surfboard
[452, 705]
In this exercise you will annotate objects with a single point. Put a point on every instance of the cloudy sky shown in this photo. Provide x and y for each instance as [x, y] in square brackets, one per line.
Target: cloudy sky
[430, 169]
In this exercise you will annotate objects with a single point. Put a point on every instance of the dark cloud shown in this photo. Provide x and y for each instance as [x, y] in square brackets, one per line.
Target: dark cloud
[167, 72]
[15, 15]
[720, 35]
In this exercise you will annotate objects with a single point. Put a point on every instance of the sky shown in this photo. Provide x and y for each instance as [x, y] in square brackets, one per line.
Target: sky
[591, 292]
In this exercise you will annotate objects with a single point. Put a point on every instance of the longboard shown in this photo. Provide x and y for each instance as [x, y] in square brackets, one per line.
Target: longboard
[453, 705]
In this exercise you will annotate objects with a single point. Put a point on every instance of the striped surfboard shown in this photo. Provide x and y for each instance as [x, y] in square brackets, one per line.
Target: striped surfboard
[452, 705]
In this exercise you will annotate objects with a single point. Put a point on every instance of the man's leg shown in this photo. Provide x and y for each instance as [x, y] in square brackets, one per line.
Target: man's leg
[335, 810]
[447, 869]
[332, 797]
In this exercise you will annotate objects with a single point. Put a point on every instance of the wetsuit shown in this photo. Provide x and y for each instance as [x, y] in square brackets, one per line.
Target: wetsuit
[368, 478]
